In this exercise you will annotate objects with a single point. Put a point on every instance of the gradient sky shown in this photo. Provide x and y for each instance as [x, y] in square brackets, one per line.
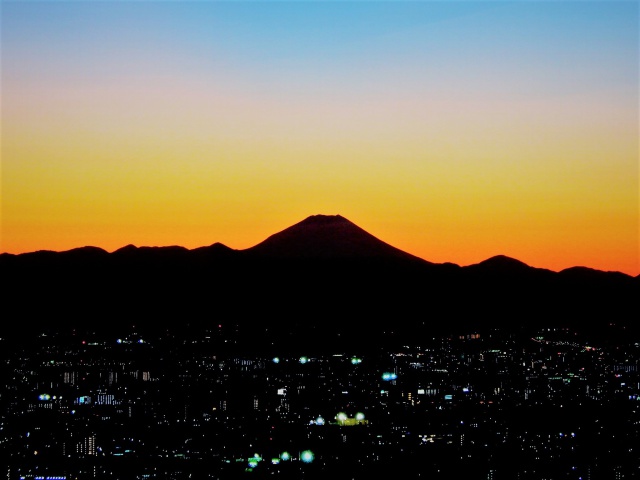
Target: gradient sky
[453, 130]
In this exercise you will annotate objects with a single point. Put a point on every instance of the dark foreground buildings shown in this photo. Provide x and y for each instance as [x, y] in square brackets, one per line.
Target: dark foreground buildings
[540, 404]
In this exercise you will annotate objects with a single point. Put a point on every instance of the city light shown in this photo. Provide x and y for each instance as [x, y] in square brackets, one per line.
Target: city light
[284, 405]
[307, 456]
[285, 456]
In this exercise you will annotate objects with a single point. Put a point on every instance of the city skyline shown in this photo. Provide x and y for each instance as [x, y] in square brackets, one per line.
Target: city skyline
[485, 404]
[455, 131]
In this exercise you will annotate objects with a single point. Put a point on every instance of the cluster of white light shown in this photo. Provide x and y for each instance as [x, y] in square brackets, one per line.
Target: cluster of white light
[342, 417]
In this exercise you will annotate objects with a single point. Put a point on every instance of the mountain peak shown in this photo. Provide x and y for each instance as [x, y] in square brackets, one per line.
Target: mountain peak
[126, 249]
[504, 262]
[324, 219]
[327, 236]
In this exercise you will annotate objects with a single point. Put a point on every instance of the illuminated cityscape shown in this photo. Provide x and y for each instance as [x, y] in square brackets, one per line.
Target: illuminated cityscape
[495, 404]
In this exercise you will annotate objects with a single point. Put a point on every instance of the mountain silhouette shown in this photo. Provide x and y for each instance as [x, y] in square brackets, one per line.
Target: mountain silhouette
[323, 278]
[502, 262]
[328, 237]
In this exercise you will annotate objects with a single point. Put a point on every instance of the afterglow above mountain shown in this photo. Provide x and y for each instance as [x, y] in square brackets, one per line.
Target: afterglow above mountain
[453, 130]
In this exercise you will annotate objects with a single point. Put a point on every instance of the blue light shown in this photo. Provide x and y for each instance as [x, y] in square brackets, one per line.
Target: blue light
[307, 456]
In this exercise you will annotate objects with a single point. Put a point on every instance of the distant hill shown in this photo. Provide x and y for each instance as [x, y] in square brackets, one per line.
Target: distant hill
[321, 278]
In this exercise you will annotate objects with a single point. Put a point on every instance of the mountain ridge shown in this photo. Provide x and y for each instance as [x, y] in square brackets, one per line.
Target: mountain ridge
[341, 239]
[323, 278]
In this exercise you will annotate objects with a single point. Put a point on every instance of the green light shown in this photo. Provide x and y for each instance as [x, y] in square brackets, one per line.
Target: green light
[285, 456]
